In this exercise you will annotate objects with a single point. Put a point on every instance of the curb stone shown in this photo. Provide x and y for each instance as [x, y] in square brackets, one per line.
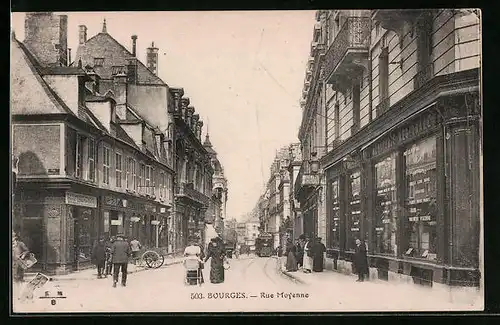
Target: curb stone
[55, 279]
[287, 274]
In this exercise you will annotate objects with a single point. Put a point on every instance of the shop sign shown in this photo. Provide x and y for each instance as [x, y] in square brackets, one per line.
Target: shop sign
[155, 222]
[116, 222]
[81, 200]
[414, 129]
[135, 219]
[149, 207]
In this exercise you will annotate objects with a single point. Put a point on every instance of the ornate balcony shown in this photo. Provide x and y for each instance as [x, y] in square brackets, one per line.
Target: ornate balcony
[348, 54]
[306, 179]
[187, 191]
[393, 19]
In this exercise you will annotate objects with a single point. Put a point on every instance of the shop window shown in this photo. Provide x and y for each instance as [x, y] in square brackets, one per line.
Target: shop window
[118, 176]
[142, 176]
[91, 159]
[386, 206]
[106, 163]
[335, 216]
[353, 210]
[116, 223]
[420, 202]
[84, 219]
[106, 222]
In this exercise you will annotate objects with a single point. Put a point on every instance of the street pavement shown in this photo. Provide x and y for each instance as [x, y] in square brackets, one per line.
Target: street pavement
[345, 293]
[252, 284]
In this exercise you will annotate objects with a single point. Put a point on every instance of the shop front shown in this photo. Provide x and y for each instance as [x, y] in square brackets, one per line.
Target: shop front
[412, 195]
[132, 217]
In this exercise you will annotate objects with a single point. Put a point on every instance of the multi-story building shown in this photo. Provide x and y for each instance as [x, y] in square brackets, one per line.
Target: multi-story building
[293, 170]
[251, 230]
[88, 166]
[219, 190]
[193, 169]
[399, 90]
[241, 231]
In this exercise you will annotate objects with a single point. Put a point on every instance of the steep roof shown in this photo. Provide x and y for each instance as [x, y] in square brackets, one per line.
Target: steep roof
[32, 94]
[103, 45]
[208, 145]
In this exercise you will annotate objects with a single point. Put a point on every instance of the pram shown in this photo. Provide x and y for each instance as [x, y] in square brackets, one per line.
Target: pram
[193, 272]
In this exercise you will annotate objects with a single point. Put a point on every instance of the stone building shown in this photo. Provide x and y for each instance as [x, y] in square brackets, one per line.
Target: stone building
[397, 94]
[88, 168]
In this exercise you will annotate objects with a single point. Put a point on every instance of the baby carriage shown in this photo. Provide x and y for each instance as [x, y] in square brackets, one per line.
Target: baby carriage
[193, 273]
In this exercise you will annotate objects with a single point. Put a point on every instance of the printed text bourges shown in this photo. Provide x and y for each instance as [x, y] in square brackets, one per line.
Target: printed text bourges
[244, 295]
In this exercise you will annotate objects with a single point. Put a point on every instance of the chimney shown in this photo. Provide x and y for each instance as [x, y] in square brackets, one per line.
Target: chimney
[83, 34]
[132, 70]
[69, 56]
[152, 58]
[134, 45]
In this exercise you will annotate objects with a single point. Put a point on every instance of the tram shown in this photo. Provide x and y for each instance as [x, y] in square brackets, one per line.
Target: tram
[264, 245]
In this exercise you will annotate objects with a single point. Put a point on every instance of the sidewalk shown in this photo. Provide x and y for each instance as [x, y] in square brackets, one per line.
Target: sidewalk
[91, 273]
[380, 295]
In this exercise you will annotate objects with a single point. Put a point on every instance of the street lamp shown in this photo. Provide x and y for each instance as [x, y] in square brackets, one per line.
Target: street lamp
[314, 163]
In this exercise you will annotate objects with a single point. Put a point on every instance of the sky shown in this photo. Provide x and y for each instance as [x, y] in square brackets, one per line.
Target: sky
[243, 72]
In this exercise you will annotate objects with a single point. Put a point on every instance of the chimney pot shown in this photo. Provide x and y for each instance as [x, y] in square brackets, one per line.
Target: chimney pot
[134, 45]
[83, 34]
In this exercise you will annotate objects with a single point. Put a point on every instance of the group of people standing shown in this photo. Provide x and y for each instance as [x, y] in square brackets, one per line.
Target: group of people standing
[308, 255]
[113, 255]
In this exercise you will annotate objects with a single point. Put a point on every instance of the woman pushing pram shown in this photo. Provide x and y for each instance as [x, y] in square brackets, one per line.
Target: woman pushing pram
[193, 263]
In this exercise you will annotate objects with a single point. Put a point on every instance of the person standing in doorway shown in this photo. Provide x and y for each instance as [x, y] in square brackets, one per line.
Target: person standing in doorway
[120, 254]
[136, 246]
[99, 257]
[319, 250]
[307, 260]
[300, 251]
[291, 260]
[361, 260]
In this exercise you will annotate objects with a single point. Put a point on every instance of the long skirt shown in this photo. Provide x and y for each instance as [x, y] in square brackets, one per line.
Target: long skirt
[216, 271]
[291, 262]
[307, 262]
[318, 263]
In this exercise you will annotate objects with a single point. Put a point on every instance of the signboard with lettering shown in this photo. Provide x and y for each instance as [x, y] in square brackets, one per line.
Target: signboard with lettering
[116, 222]
[81, 200]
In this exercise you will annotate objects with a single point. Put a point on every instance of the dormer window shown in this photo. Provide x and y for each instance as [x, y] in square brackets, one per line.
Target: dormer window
[118, 69]
[98, 62]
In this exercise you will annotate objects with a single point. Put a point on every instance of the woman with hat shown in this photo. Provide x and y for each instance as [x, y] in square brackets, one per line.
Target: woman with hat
[217, 253]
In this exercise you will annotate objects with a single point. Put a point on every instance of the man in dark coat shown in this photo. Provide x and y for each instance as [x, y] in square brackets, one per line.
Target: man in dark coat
[318, 252]
[99, 257]
[361, 260]
[120, 253]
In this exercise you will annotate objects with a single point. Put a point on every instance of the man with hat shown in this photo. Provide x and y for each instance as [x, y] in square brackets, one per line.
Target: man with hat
[120, 253]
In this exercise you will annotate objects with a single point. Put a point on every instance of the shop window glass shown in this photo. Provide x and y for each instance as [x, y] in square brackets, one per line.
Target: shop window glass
[335, 213]
[79, 156]
[83, 232]
[353, 210]
[386, 206]
[420, 203]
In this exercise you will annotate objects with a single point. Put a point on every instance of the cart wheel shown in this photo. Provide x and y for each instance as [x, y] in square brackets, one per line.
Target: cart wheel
[151, 258]
[159, 262]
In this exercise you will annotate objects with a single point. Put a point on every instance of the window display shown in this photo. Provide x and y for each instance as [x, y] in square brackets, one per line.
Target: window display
[420, 203]
[335, 216]
[353, 210]
[386, 206]
[84, 234]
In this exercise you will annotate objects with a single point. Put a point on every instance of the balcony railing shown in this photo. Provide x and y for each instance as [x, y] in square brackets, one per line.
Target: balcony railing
[187, 190]
[354, 36]
[305, 178]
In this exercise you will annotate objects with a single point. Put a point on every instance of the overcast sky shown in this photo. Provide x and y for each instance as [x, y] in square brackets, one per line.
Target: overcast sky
[243, 72]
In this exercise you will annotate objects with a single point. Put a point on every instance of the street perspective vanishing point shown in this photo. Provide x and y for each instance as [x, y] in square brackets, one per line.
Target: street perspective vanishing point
[258, 161]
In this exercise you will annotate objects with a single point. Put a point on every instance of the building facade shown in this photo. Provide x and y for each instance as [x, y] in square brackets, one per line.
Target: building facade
[402, 124]
[74, 183]
[294, 166]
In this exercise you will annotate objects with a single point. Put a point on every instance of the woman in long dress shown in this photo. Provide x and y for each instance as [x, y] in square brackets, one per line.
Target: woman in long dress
[307, 261]
[217, 254]
[291, 261]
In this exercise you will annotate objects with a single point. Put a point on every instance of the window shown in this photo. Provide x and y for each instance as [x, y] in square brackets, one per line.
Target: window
[337, 121]
[79, 156]
[133, 175]
[356, 106]
[420, 203]
[353, 210]
[142, 174]
[118, 163]
[335, 216]
[106, 163]
[147, 179]
[91, 159]
[386, 206]
[383, 70]
[98, 62]
[161, 184]
[117, 69]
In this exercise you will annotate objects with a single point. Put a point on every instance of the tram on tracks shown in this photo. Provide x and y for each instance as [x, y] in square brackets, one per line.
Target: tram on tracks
[264, 245]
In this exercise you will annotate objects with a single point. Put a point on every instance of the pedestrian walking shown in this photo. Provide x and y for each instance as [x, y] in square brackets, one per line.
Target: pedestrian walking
[136, 246]
[361, 261]
[319, 250]
[291, 261]
[109, 262]
[299, 251]
[308, 253]
[99, 257]
[120, 254]
[217, 253]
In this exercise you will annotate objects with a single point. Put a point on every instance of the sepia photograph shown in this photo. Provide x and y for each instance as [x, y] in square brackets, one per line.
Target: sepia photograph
[246, 161]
